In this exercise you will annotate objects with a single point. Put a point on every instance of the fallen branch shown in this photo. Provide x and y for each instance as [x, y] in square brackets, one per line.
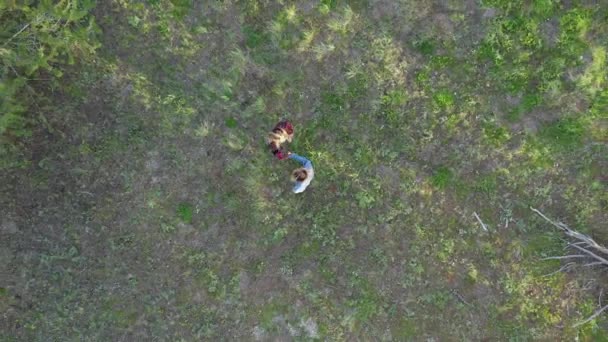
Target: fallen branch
[564, 257]
[584, 244]
[561, 269]
[583, 239]
[16, 34]
[480, 222]
[597, 257]
[595, 314]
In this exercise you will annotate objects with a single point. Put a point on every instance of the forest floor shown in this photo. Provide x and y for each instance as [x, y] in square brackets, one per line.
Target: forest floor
[150, 208]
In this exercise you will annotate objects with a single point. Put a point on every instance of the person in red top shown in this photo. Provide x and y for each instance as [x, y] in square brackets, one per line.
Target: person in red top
[277, 151]
[282, 132]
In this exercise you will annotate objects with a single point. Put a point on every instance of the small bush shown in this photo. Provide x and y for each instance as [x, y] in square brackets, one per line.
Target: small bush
[426, 47]
[442, 177]
[496, 135]
[39, 36]
[185, 212]
[443, 99]
[566, 133]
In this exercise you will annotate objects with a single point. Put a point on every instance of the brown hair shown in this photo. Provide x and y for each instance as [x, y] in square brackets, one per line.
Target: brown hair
[299, 175]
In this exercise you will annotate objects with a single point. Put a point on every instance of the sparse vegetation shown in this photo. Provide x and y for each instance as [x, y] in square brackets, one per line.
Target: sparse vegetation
[138, 200]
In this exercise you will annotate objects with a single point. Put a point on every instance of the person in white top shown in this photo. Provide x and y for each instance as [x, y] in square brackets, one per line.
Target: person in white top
[303, 175]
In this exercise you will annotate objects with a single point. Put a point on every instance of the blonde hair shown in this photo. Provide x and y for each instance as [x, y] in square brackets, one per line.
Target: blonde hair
[299, 173]
[277, 138]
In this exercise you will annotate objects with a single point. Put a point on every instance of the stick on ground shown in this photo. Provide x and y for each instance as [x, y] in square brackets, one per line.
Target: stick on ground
[595, 314]
[584, 244]
[480, 222]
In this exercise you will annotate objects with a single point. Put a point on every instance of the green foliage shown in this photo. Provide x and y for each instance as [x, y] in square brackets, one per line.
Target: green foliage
[231, 122]
[181, 8]
[444, 99]
[544, 8]
[442, 177]
[12, 108]
[565, 134]
[496, 135]
[487, 184]
[185, 212]
[367, 303]
[503, 4]
[391, 105]
[423, 78]
[365, 199]
[39, 37]
[440, 62]
[406, 329]
[528, 103]
[438, 299]
[253, 37]
[594, 79]
[278, 235]
[426, 46]
[574, 24]
[330, 4]
[333, 101]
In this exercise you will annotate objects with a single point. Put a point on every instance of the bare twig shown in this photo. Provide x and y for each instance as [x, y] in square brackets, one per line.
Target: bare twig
[583, 239]
[480, 222]
[16, 34]
[561, 269]
[459, 297]
[584, 244]
[597, 257]
[565, 257]
[595, 314]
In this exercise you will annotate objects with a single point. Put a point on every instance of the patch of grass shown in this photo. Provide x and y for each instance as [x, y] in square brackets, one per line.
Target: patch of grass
[544, 245]
[423, 78]
[329, 5]
[442, 177]
[254, 38]
[495, 135]
[181, 8]
[445, 249]
[440, 62]
[528, 102]
[517, 80]
[565, 134]
[333, 101]
[278, 235]
[487, 185]
[594, 78]
[425, 46]
[268, 312]
[544, 8]
[438, 299]
[231, 122]
[185, 212]
[367, 304]
[391, 104]
[444, 99]
[406, 329]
